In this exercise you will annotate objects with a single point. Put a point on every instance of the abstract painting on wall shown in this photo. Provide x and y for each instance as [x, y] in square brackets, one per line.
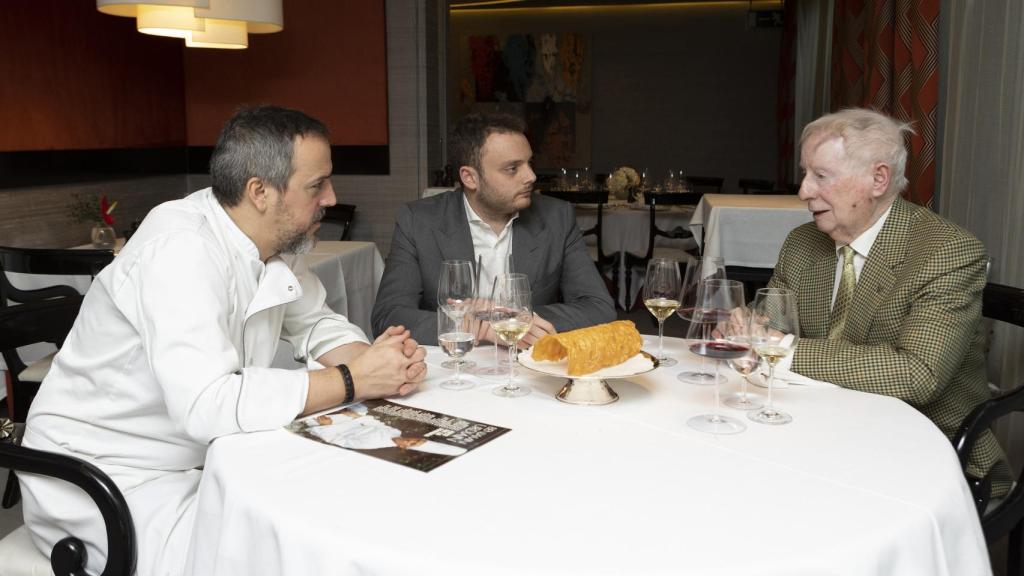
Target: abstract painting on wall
[543, 78]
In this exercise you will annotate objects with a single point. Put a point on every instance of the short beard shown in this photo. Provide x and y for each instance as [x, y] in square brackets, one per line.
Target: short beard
[300, 241]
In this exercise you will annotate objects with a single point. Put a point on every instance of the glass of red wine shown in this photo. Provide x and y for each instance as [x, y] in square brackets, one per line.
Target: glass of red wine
[696, 272]
[720, 307]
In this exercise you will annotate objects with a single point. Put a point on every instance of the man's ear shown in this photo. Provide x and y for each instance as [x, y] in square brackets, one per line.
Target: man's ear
[257, 194]
[881, 175]
[469, 177]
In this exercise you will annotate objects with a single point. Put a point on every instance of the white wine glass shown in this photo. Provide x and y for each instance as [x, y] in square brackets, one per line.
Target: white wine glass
[456, 288]
[511, 317]
[482, 311]
[456, 340]
[661, 296]
[774, 333]
[696, 271]
[718, 302]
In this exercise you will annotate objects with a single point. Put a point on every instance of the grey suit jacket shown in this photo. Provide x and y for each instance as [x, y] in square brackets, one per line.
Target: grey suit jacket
[546, 246]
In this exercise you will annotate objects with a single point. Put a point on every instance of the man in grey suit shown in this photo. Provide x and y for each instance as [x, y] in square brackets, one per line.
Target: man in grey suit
[492, 216]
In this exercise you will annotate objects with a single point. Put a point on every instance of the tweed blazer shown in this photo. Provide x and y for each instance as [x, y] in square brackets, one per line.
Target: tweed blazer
[913, 329]
[546, 246]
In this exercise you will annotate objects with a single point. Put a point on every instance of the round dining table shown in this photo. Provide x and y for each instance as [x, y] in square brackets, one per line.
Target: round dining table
[857, 484]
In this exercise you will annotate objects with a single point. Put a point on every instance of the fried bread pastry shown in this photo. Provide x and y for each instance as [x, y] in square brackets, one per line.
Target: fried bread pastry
[591, 349]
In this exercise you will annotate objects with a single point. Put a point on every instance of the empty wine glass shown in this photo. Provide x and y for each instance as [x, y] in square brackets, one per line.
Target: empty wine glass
[456, 340]
[511, 316]
[714, 322]
[456, 288]
[744, 366]
[661, 296]
[696, 271]
[774, 333]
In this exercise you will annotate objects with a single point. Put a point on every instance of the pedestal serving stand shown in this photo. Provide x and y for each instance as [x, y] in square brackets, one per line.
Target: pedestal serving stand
[590, 389]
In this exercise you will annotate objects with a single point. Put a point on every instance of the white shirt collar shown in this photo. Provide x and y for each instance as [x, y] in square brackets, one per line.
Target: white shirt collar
[475, 218]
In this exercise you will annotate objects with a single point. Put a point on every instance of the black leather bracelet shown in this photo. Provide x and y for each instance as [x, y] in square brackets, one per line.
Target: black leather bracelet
[350, 385]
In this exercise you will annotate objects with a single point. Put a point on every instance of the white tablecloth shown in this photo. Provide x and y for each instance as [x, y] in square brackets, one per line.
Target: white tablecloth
[747, 229]
[858, 484]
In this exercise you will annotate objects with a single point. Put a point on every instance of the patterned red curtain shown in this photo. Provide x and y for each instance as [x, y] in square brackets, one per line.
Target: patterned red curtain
[885, 56]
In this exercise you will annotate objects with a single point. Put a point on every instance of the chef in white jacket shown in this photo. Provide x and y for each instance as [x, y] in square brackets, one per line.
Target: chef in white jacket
[174, 342]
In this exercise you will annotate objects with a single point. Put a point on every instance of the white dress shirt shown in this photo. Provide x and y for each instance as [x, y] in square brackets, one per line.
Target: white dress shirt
[861, 248]
[493, 250]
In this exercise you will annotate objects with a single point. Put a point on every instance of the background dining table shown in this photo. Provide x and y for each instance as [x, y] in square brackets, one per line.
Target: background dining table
[857, 484]
[746, 229]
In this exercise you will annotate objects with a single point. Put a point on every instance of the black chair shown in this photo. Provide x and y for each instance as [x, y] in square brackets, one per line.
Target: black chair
[68, 556]
[752, 278]
[47, 261]
[755, 186]
[23, 379]
[1004, 304]
[681, 252]
[705, 184]
[343, 215]
[604, 262]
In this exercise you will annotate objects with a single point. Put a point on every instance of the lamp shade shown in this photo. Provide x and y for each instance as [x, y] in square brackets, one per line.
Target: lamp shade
[202, 23]
[229, 34]
[262, 16]
[174, 21]
[129, 7]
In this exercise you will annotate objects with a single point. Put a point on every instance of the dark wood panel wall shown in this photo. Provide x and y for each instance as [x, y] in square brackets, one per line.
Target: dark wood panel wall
[72, 78]
[330, 62]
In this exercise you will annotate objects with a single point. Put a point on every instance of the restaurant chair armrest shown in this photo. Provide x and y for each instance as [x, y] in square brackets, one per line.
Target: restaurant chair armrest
[69, 555]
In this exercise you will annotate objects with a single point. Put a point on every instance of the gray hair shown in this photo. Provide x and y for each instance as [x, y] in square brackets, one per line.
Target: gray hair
[868, 137]
[258, 142]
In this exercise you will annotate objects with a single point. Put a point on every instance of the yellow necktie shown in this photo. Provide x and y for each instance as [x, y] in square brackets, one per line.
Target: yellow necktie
[848, 281]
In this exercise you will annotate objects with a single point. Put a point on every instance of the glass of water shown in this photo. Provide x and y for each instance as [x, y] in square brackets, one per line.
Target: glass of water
[456, 340]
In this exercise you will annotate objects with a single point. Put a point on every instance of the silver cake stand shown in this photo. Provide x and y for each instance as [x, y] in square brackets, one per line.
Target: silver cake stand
[584, 390]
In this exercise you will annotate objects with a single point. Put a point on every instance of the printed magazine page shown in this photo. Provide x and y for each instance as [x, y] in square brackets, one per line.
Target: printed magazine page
[412, 437]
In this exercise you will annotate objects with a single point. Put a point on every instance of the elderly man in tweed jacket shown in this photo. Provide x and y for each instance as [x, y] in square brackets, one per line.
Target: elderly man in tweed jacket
[911, 328]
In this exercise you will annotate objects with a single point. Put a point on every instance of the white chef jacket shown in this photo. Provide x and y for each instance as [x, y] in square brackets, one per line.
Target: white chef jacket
[171, 350]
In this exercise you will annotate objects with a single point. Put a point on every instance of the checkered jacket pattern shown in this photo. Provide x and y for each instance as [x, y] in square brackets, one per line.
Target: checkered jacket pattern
[913, 327]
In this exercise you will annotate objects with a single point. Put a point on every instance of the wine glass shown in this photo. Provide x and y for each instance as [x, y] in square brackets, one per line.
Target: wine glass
[456, 340]
[696, 271]
[482, 312]
[511, 317]
[774, 333]
[456, 288]
[718, 303]
[744, 365]
[661, 296]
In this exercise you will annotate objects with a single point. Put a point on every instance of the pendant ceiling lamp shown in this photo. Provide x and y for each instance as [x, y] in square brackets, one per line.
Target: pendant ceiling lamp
[201, 23]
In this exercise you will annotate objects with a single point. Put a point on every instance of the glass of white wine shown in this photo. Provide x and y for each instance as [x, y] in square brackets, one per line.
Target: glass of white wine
[661, 296]
[774, 333]
[482, 313]
[511, 316]
[456, 340]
